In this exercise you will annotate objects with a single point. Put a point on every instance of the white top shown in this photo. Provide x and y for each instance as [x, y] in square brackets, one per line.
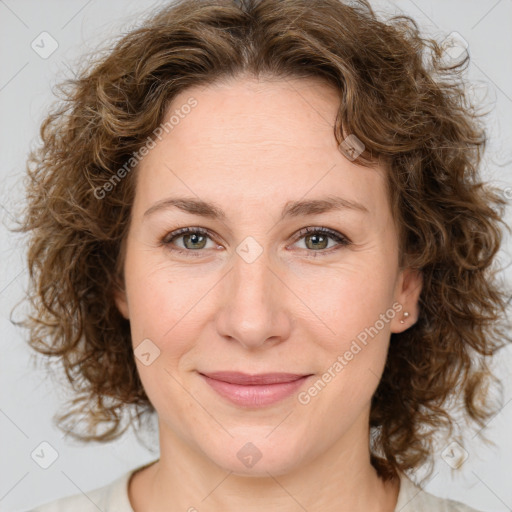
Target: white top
[114, 498]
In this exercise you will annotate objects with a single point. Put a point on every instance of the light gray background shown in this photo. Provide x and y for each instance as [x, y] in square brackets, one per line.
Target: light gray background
[28, 397]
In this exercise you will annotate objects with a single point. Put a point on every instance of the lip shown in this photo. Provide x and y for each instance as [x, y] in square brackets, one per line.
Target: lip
[246, 379]
[254, 390]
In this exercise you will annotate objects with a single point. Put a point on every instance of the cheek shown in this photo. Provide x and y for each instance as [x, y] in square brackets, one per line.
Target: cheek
[353, 310]
[163, 311]
[353, 342]
[161, 297]
[346, 300]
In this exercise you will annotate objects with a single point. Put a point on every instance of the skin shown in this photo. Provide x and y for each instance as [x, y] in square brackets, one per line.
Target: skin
[250, 147]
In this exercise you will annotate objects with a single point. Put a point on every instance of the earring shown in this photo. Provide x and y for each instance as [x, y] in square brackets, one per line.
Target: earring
[405, 316]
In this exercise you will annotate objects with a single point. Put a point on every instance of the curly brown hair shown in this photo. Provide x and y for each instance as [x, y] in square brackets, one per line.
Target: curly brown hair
[398, 95]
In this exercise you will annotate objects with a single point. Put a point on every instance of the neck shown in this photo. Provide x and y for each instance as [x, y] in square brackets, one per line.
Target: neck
[340, 479]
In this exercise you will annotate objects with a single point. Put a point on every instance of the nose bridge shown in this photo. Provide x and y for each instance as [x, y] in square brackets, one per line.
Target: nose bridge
[252, 284]
[253, 310]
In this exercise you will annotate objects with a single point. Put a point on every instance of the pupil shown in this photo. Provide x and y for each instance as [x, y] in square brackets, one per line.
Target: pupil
[316, 238]
[194, 238]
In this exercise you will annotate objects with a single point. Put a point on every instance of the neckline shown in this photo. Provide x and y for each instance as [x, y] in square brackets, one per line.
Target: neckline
[125, 480]
[407, 491]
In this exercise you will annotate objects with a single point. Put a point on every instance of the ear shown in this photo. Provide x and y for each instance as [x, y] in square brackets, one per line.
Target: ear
[408, 290]
[121, 299]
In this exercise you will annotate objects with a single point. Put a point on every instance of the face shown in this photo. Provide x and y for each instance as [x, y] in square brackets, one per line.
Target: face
[270, 277]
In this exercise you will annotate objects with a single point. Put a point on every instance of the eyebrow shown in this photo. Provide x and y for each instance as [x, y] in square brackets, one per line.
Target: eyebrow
[291, 209]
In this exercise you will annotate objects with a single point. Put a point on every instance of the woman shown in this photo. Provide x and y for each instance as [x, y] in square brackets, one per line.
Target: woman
[263, 221]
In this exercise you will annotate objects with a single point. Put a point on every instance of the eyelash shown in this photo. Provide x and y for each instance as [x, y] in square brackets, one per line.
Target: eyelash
[342, 240]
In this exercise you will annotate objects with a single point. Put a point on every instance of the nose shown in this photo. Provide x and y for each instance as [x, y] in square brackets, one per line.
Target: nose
[254, 311]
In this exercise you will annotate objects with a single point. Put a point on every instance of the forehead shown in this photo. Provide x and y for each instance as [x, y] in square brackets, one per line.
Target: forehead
[256, 138]
[251, 111]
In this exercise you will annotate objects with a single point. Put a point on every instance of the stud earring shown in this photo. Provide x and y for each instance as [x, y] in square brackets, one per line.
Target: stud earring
[405, 316]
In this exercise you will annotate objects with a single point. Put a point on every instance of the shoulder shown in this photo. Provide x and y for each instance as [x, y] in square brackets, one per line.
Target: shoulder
[112, 497]
[412, 498]
[109, 498]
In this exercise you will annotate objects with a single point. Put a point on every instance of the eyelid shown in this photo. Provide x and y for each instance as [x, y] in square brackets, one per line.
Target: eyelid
[340, 238]
[323, 230]
[177, 233]
[184, 231]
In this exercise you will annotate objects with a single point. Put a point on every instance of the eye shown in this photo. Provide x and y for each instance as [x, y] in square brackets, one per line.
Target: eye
[193, 240]
[317, 239]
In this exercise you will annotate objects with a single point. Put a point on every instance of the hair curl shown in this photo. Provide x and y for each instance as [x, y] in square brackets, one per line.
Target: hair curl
[397, 95]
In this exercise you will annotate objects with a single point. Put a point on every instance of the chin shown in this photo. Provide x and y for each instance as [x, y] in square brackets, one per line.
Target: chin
[259, 457]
